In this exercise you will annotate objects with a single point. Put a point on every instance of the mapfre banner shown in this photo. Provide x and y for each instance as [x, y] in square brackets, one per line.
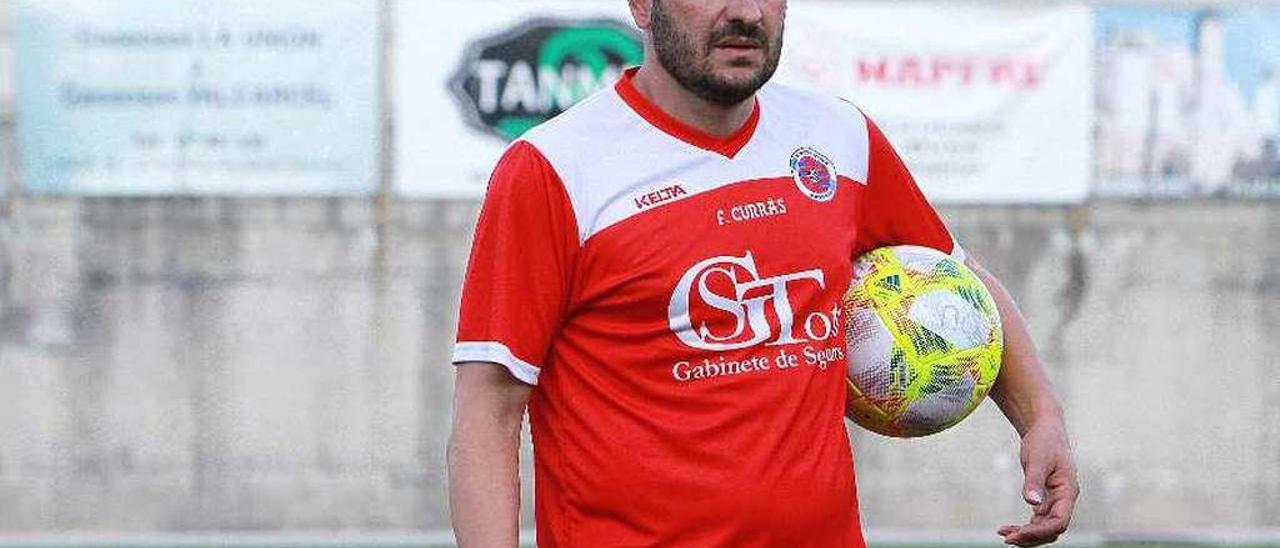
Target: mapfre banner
[985, 104]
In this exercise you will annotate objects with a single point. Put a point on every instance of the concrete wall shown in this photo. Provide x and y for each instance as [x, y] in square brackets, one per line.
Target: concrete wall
[187, 364]
[193, 364]
[1158, 326]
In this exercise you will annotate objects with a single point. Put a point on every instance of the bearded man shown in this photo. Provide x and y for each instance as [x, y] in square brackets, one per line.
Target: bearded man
[617, 291]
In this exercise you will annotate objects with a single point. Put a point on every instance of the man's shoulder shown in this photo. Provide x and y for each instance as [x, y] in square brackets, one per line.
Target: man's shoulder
[805, 104]
[803, 119]
[584, 125]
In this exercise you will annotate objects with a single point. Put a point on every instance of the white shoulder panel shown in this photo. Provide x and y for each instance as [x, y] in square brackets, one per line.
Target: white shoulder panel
[829, 124]
[614, 163]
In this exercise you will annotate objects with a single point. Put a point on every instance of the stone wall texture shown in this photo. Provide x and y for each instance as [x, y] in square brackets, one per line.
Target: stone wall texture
[258, 364]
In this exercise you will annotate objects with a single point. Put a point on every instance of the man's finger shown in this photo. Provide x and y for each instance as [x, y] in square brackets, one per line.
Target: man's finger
[1026, 539]
[1062, 494]
[1043, 528]
[1032, 543]
[1035, 473]
[1064, 501]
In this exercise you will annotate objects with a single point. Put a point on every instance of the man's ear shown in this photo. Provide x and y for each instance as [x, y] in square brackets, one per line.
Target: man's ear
[640, 12]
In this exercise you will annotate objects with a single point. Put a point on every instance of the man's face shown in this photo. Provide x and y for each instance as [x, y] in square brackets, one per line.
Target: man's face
[721, 50]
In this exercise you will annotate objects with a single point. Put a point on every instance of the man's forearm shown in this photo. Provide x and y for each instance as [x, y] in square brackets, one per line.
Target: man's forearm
[1026, 397]
[1022, 390]
[484, 476]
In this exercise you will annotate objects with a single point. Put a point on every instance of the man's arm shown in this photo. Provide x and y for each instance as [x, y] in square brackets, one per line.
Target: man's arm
[1026, 397]
[484, 467]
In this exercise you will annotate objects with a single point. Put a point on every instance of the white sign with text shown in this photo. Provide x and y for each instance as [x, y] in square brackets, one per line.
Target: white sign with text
[985, 104]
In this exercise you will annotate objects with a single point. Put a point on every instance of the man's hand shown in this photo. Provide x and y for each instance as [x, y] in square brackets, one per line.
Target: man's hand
[1027, 399]
[1050, 486]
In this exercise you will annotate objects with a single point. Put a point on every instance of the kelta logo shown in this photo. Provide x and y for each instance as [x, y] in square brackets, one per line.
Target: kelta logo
[724, 303]
[660, 196]
[522, 77]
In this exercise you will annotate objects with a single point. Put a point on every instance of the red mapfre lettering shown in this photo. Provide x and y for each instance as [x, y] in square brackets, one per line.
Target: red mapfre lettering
[915, 71]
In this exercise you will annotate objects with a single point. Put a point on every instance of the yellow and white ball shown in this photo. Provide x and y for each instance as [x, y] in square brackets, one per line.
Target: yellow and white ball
[924, 341]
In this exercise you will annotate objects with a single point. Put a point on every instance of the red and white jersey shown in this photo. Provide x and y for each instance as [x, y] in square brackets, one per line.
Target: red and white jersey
[676, 297]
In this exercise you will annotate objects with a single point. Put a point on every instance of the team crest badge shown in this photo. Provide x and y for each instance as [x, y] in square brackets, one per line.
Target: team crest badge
[815, 175]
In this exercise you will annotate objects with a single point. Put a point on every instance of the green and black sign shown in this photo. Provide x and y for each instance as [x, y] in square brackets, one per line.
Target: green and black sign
[520, 78]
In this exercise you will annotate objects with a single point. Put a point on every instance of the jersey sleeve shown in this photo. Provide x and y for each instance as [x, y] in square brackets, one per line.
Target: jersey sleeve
[516, 289]
[894, 211]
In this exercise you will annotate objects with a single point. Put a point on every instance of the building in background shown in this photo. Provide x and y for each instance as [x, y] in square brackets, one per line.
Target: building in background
[1179, 108]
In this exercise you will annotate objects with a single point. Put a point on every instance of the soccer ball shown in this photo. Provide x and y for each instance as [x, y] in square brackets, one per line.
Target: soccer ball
[924, 341]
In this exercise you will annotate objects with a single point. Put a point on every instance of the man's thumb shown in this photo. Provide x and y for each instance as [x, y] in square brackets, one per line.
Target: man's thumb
[1033, 485]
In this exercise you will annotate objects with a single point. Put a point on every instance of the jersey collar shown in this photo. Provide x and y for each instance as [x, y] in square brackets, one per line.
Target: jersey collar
[728, 146]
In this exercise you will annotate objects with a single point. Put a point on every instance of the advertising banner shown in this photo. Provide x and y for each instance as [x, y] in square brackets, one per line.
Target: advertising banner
[142, 97]
[1188, 101]
[986, 104]
[472, 75]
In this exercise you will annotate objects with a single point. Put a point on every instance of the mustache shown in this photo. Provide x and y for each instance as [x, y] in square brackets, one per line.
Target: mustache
[739, 29]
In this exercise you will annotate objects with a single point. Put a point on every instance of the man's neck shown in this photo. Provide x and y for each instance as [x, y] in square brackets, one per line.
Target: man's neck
[659, 87]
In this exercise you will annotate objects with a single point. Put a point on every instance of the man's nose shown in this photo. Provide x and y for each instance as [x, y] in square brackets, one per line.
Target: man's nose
[747, 11]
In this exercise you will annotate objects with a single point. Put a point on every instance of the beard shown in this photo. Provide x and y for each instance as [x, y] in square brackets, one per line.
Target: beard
[690, 63]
